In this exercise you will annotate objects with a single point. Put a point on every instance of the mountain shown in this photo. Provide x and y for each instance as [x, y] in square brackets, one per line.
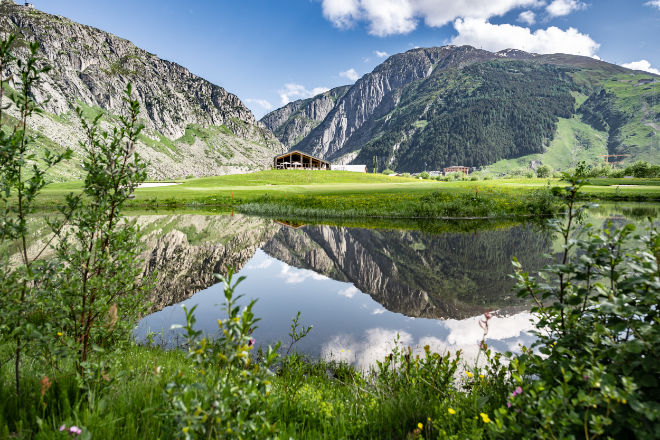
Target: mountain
[295, 120]
[192, 127]
[414, 273]
[442, 106]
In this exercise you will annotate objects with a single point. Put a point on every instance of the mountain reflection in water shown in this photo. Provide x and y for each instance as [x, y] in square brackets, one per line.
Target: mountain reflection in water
[359, 288]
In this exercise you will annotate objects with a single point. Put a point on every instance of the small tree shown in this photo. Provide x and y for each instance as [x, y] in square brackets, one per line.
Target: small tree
[99, 271]
[375, 164]
[22, 177]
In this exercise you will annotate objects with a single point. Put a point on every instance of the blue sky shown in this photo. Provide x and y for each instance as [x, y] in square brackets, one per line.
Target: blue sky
[271, 51]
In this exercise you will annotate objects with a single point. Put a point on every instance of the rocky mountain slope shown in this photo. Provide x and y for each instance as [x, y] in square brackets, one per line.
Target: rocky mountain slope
[295, 120]
[185, 251]
[436, 107]
[414, 273]
[192, 127]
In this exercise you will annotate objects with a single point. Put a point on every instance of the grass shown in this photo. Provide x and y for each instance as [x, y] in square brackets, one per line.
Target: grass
[574, 141]
[308, 400]
[342, 194]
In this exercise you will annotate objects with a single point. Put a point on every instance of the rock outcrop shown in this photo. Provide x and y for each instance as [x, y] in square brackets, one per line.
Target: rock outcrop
[297, 119]
[192, 127]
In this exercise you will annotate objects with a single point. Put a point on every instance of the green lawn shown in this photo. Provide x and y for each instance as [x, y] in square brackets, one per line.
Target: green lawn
[297, 193]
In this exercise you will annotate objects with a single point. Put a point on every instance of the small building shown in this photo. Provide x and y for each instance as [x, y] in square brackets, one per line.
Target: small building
[297, 160]
[456, 169]
[354, 168]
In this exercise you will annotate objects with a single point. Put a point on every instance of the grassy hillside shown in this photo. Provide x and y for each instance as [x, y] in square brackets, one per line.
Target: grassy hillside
[574, 141]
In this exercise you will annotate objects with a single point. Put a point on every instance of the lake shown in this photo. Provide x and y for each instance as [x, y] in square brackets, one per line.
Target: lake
[361, 288]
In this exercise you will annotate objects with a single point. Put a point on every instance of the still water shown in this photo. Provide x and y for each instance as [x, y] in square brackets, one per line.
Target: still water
[360, 288]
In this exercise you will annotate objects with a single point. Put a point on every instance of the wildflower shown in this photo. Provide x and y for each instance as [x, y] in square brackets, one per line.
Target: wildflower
[508, 404]
[451, 411]
[469, 374]
[62, 428]
[420, 426]
[481, 376]
[60, 334]
[75, 430]
[485, 417]
[250, 342]
[517, 391]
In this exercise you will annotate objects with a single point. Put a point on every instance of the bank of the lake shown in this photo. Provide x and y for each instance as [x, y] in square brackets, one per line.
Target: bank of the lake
[339, 194]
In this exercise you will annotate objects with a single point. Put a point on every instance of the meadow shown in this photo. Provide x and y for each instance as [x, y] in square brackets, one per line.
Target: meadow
[333, 194]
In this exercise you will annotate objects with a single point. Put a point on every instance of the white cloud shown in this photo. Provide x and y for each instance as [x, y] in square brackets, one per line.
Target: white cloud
[387, 17]
[349, 292]
[559, 8]
[494, 37]
[642, 65]
[654, 3]
[260, 102]
[528, 17]
[350, 74]
[383, 54]
[292, 275]
[291, 92]
[263, 265]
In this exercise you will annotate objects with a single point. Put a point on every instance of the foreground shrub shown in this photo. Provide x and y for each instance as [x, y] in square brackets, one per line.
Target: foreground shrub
[226, 398]
[593, 370]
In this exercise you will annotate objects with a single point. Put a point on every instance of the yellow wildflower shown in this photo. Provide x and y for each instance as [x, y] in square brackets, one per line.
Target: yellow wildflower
[485, 417]
[469, 374]
[451, 411]
[59, 334]
[420, 426]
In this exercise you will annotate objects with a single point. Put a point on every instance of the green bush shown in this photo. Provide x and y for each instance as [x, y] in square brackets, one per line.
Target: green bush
[543, 171]
[226, 398]
[593, 369]
[388, 171]
[424, 175]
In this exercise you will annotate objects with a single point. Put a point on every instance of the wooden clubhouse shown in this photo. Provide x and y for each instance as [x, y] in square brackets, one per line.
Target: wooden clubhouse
[298, 160]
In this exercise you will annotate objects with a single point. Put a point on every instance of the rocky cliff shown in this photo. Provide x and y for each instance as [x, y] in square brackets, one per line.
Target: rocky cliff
[453, 275]
[185, 251]
[297, 119]
[192, 127]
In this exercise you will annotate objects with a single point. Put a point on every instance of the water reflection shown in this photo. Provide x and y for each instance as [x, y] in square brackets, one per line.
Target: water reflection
[358, 287]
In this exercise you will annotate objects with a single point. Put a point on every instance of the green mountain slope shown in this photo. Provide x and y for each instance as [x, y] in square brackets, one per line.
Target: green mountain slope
[438, 107]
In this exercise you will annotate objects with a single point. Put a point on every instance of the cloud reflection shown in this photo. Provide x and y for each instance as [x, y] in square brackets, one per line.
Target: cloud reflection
[293, 275]
[465, 335]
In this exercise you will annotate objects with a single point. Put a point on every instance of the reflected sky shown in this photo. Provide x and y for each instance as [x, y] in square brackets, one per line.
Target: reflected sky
[348, 324]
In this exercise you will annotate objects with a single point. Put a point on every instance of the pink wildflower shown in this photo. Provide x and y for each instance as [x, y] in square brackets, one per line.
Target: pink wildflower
[75, 430]
[250, 342]
[62, 428]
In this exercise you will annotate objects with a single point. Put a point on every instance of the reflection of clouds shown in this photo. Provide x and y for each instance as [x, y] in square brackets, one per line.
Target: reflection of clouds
[294, 275]
[376, 344]
[464, 335]
[378, 311]
[349, 292]
[263, 265]
[467, 331]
